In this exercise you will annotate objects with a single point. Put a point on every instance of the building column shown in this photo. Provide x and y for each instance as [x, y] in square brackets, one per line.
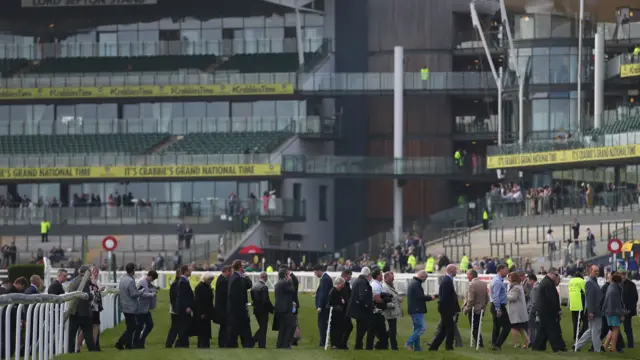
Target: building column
[598, 80]
[398, 139]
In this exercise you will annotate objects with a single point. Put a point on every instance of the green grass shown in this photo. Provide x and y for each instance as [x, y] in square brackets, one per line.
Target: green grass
[308, 349]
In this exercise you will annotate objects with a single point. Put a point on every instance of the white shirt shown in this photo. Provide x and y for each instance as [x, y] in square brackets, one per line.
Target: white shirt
[376, 287]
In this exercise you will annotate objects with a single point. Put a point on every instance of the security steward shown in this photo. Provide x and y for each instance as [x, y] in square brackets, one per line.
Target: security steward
[45, 226]
[577, 294]
[431, 263]
[464, 263]
[485, 219]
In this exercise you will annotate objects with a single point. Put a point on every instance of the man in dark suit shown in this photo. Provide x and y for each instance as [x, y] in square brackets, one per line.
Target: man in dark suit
[348, 325]
[630, 300]
[222, 290]
[185, 304]
[322, 301]
[237, 312]
[56, 286]
[548, 311]
[173, 310]
[34, 288]
[261, 308]
[285, 309]
[448, 307]
[361, 305]
[80, 312]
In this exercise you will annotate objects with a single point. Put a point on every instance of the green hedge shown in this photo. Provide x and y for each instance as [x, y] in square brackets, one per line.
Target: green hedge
[16, 271]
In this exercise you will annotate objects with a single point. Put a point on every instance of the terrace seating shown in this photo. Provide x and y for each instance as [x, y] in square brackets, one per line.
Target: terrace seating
[122, 64]
[263, 63]
[229, 143]
[79, 144]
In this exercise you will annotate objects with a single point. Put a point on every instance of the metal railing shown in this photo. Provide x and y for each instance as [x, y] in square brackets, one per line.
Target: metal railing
[224, 47]
[351, 165]
[202, 212]
[18, 161]
[314, 82]
[175, 126]
[474, 127]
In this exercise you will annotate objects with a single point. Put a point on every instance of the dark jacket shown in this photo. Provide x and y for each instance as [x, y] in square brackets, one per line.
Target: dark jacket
[548, 302]
[185, 298]
[31, 290]
[337, 301]
[260, 299]
[237, 298]
[173, 297]
[296, 285]
[203, 304]
[630, 297]
[284, 292]
[322, 293]
[447, 297]
[361, 302]
[222, 291]
[346, 292]
[83, 307]
[55, 288]
[416, 299]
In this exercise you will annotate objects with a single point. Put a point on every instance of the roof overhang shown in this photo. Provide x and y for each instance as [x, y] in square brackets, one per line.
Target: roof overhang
[600, 10]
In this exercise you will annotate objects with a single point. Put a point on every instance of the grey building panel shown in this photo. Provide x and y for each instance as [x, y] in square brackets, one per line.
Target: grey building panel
[137, 229]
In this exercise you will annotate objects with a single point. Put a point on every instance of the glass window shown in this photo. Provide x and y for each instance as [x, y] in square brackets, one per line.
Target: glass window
[525, 27]
[108, 44]
[49, 191]
[264, 108]
[543, 26]
[540, 69]
[203, 190]
[224, 188]
[195, 110]
[540, 118]
[86, 111]
[27, 191]
[107, 111]
[159, 191]
[218, 109]
[5, 111]
[561, 27]
[559, 70]
[242, 109]
[559, 114]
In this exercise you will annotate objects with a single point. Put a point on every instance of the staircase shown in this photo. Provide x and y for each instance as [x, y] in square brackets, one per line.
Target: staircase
[160, 147]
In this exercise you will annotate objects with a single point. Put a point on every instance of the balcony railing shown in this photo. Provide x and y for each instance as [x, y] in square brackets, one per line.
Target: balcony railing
[175, 126]
[351, 165]
[474, 125]
[143, 212]
[226, 47]
[316, 82]
[17, 161]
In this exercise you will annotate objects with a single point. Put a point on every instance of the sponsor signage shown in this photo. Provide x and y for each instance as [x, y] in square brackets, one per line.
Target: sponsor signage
[86, 3]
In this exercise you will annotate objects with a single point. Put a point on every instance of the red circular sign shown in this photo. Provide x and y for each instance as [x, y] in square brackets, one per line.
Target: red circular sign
[109, 243]
[614, 246]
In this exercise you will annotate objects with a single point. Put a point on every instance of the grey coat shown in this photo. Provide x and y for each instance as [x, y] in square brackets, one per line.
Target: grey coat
[613, 304]
[129, 295]
[82, 307]
[394, 308]
[593, 297]
[147, 301]
[517, 305]
[533, 295]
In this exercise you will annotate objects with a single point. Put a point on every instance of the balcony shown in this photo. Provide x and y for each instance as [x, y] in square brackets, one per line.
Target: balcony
[369, 167]
[310, 84]
[226, 47]
[471, 128]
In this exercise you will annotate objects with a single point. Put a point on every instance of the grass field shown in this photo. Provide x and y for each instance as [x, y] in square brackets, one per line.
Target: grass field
[309, 350]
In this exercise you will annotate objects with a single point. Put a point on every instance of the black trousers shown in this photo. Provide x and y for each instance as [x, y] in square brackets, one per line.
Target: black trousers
[584, 324]
[240, 326]
[361, 329]
[80, 323]
[628, 330]
[548, 329]
[447, 332]
[184, 327]
[392, 334]
[286, 330]
[145, 325]
[348, 328]
[476, 325]
[126, 339]
[377, 329]
[45, 237]
[323, 322]
[173, 331]
[260, 337]
[501, 326]
[336, 331]
[223, 334]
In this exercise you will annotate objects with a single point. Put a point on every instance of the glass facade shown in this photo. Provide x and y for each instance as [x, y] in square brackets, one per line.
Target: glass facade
[544, 26]
[246, 35]
[550, 65]
[178, 117]
[160, 192]
[553, 111]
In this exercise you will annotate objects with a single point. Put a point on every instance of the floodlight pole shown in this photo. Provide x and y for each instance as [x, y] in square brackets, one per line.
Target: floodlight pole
[580, 36]
[497, 77]
[398, 139]
[598, 101]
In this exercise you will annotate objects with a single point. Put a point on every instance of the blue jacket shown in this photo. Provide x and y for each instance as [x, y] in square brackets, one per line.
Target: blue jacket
[416, 299]
[185, 296]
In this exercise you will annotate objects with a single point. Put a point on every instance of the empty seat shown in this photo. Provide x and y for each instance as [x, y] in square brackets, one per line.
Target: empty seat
[80, 144]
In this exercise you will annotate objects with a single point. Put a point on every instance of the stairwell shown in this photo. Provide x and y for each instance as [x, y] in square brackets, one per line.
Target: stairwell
[213, 66]
[159, 147]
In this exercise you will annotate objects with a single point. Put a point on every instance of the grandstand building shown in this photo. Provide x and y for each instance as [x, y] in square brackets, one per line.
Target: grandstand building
[270, 122]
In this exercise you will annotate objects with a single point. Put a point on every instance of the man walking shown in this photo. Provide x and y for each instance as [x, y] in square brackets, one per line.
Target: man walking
[285, 309]
[80, 312]
[262, 307]
[377, 327]
[146, 303]
[173, 311]
[360, 305]
[593, 299]
[237, 312]
[185, 303]
[417, 308]
[501, 322]
[348, 325]
[222, 291]
[129, 296]
[630, 300]
[476, 301]
[322, 301]
[548, 311]
[448, 308]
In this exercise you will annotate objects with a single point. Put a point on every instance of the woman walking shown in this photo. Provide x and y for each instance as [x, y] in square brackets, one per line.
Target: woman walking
[517, 310]
[613, 308]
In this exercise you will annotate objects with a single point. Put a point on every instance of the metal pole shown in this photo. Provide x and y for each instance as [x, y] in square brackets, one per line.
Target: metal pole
[299, 37]
[521, 112]
[599, 78]
[580, 24]
[398, 138]
[519, 71]
[500, 107]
